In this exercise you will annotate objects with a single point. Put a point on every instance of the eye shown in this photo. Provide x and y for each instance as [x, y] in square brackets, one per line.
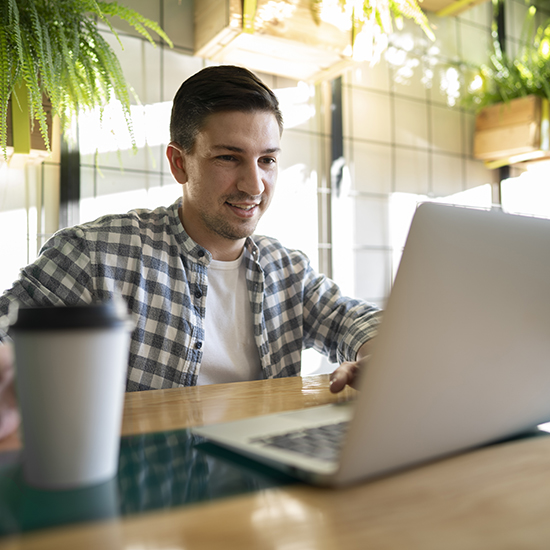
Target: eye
[268, 160]
[227, 158]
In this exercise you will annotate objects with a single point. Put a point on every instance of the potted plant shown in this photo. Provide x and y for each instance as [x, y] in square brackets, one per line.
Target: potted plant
[511, 95]
[55, 50]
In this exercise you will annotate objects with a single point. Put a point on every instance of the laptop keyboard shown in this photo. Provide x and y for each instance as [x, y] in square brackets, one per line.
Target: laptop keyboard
[322, 442]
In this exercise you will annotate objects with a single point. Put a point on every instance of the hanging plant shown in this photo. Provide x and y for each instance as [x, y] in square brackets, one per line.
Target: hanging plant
[371, 21]
[54, 48]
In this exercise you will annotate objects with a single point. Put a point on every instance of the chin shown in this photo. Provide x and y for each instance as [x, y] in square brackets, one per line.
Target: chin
[234, 234]
[246, 231]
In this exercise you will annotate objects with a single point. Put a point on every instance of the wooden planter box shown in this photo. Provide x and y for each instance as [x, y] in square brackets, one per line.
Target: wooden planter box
[512, 132]
[292, 46]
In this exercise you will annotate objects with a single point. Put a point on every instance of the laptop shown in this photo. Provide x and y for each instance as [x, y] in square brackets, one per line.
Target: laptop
[461, 360]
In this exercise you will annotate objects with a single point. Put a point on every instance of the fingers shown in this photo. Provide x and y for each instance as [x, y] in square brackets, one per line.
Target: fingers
[9, 413]
[6, 358]
[345, 374]
[9, 421]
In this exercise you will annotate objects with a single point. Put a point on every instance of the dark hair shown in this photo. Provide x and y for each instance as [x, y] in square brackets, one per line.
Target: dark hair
[213, 90]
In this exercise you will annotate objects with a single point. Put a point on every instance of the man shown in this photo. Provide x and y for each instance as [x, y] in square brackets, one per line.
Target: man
[212, 303]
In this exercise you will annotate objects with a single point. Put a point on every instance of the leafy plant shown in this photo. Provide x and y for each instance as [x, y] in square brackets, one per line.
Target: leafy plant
[507, 77]
[55, 48]
[373, 20]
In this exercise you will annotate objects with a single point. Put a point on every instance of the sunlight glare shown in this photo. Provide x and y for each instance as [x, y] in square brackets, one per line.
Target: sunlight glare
[107, 131]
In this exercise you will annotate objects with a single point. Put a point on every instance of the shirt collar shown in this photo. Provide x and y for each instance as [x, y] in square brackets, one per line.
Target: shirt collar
[188, 246]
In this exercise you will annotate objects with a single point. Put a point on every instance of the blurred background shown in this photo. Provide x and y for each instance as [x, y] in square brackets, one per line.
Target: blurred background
[362, 145]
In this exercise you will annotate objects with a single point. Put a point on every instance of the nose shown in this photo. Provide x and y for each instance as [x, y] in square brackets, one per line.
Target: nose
[251, 180]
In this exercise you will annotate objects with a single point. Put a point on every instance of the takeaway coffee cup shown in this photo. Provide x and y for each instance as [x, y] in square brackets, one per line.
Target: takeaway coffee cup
[70, 365]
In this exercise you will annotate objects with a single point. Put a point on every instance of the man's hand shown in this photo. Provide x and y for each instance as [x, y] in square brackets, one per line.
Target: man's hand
[9, 412]
[348, 373]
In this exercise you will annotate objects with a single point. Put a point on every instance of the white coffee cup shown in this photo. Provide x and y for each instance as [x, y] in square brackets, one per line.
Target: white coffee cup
[70, 365]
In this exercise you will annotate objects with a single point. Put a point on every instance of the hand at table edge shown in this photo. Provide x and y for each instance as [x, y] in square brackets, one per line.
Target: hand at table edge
[347, 374]
[9, 411]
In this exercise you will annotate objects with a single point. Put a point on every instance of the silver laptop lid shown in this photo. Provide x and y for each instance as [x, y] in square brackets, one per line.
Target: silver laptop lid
[462, 357]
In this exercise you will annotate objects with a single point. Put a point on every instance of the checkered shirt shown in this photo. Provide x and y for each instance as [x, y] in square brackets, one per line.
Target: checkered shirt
[147, 258]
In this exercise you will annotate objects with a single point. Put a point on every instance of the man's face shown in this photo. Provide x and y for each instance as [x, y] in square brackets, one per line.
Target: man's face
[228, 178]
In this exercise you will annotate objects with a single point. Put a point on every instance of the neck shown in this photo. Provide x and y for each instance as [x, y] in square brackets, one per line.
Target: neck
[225, 254]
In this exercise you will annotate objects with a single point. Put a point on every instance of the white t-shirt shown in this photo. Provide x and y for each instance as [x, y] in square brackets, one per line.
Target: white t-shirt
[230, 353]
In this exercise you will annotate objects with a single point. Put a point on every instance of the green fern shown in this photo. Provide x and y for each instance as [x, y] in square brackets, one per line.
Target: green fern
[57, 50]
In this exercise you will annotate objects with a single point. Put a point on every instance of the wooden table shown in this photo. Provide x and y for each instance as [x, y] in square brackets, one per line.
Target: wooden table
[494, 498]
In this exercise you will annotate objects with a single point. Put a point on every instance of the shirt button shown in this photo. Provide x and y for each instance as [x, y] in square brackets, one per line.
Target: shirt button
[198, 345]
[200, 253]
[198, 294]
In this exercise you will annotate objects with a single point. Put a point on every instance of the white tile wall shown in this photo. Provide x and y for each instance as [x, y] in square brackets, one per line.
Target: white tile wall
[515, 16]
[376, 77]
[371, 222]
[445, 83]
[292, 216]
[13, 203]
[410, 136]
[446, 37]
[23, 223]
[135, 55]
[178, 23]
[411, 123]
[481, 14]
[151, 10]
[177, 68]
[476, 172]
[367, 115]
[474, 44]
[408, 78]
[174, 16]
[401, 135]
[469, 122]
[447, 174]
[446, 125]
[370, 166]
[373, 275]
[298, 103]
[412, 171]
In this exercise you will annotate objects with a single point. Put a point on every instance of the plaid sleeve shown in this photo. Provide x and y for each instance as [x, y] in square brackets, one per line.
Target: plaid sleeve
[336, 325]
[60, 276]
[303, 309]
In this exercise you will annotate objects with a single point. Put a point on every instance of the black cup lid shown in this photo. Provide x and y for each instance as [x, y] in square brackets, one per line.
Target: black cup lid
[102, 315]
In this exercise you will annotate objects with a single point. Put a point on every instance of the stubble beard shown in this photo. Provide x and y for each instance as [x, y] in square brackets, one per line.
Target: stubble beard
[231, 231]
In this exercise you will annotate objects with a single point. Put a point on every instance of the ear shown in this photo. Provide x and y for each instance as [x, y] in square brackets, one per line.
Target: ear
[176, 159]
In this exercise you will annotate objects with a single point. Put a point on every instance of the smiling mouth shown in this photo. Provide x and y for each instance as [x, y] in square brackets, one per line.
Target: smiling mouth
[244, 207]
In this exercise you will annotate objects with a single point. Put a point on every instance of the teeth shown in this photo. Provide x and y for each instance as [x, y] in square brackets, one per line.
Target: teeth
[244, 206]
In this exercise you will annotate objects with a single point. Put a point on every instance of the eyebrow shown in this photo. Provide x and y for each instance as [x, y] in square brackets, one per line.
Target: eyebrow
[235, 149]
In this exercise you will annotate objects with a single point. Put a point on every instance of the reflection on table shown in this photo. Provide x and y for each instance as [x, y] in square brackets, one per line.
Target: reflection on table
[173, 491]
[159, 470]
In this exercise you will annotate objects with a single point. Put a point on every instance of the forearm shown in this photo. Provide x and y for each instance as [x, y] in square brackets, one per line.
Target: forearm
[336, 325]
